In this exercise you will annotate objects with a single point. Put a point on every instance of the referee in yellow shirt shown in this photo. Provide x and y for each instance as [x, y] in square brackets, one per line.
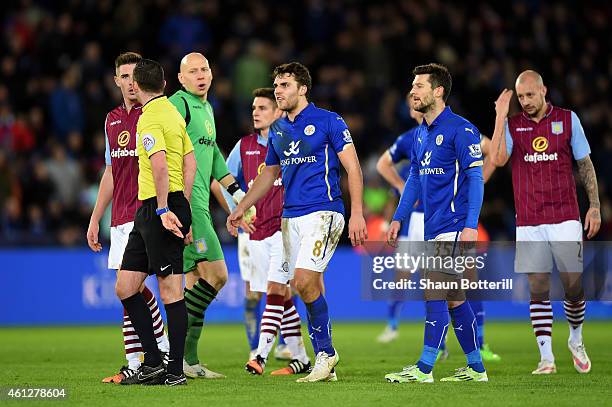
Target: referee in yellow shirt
[167, 167]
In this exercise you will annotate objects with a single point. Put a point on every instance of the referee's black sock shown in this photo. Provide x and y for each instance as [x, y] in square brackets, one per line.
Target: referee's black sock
[176, 313]
[140, 315]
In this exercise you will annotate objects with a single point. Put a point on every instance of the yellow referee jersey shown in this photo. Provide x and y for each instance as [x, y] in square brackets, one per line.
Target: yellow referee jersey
[161, 128]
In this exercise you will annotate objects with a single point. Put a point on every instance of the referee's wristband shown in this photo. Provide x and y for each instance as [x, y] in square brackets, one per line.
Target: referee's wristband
[161, 211]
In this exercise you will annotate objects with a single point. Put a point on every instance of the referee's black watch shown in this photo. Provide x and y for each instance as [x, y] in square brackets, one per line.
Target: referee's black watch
[161, 211]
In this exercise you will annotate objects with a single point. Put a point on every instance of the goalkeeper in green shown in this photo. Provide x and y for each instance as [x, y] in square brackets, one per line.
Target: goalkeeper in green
[204, 264]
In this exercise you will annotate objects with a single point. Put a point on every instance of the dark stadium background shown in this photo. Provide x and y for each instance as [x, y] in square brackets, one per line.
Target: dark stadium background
[56, 69]
[60, 316]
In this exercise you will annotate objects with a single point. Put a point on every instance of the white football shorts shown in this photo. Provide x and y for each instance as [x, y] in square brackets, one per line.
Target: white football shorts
[561, 242]
[309, 241]
[118, 240]
[244, 260]
[266, 262]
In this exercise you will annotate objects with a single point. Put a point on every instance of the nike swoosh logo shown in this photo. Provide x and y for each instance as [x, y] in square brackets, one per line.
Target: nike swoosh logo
[170, 383]
[145, 377]
[164, 268]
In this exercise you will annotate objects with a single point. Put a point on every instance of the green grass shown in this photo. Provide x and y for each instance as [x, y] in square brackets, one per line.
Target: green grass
[78, 357]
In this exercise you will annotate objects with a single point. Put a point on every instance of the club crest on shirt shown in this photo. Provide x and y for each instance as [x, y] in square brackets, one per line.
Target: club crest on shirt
[148, 141]
[309, 130]
[439, 139]
[557, 128]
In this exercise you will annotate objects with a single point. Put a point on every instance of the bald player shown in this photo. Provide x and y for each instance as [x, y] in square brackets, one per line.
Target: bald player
[541, 142]
[204, 264]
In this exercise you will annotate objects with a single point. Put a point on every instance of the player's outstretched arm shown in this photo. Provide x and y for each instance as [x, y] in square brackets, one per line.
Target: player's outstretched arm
[499, 153]
[189, 171]
[387, 170]
[358, 232]
[105, 195]
[592, 220]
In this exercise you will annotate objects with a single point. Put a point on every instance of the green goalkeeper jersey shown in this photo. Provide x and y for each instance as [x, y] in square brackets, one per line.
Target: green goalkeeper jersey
[199, 116]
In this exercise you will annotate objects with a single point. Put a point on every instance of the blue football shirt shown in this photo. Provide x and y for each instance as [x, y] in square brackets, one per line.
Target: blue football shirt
[307, 152]
[441, 153]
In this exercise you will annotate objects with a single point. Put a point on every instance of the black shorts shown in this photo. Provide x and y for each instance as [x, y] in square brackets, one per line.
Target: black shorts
[151, 248]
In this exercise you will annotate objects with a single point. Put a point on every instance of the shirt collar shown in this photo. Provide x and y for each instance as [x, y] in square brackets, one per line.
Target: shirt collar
[309, 107]
[444, 114]
[261, 140]
[549, 109]
[136, 106]
[153, 101]
[199, 99]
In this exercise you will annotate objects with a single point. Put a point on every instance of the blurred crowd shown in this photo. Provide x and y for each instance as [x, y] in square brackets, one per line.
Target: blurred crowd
[56, 83]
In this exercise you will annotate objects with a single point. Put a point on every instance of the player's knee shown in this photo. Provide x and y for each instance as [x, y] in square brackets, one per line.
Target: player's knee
[215, 274]
[454, 304]
[574, 294]
[308, 292]
[169, 295]
[276, 288]
[218, 281]
[123, 290]
[540, 295]
[253, 296]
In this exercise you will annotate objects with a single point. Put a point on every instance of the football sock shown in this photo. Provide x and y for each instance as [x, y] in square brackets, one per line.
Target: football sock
[436, 326]
[574, 312]
[479, 313]
[131, 343]
[158, 323]
[140, 315]
[541, 320]
[197, 301]
[270, 323]
[321, 325]
[291, 330]
[464, 324]
[395, 308]
[176, 313]
[252, 319]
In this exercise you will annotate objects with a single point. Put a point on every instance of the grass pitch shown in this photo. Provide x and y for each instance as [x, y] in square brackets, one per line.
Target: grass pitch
[78, 357]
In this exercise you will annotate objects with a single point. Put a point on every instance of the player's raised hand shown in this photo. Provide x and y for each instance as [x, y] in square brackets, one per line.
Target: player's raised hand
[234, 220]
[358, 232]
[92, 237]
[392, 233]
[502, 104]
[172, 223]
[592, 222]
